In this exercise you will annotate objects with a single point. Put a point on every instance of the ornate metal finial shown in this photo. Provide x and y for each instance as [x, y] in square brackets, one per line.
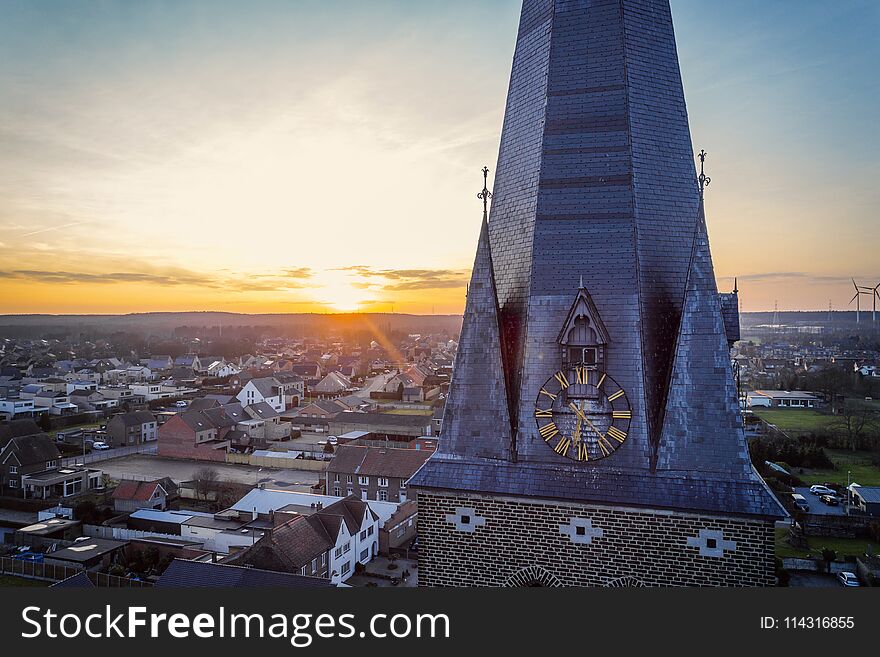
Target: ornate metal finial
[485, 195]
[703, 178]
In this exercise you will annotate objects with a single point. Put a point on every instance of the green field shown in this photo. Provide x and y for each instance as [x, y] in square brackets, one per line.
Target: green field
[858, 464]
[843, 546]
[796, 422]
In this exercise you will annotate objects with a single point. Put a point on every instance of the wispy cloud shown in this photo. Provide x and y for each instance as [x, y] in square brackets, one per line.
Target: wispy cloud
[409, 279]
[49, 229]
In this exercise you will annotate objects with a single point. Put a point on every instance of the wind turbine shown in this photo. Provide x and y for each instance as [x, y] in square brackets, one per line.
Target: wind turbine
[857, 297]
[875, 293]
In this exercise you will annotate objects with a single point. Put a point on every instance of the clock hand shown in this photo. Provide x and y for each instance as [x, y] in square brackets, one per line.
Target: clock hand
[583, 417]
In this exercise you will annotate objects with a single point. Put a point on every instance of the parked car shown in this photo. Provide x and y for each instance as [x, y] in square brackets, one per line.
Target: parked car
[800, 502]
[332, 440]
[818, 489]
[37, 557]
[847, 578]
[180, 404]
[830, 500]
[100, 445]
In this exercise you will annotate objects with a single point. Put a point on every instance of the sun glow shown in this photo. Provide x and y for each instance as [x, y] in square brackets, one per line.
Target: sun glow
[339, 291]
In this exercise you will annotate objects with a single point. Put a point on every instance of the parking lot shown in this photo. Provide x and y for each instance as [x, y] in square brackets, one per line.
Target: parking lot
[817, 506]
[145, 466]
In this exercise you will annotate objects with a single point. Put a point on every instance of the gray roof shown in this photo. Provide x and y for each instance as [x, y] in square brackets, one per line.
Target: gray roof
[194, 574]
[31, 450]
[677, 491]
[870, 494]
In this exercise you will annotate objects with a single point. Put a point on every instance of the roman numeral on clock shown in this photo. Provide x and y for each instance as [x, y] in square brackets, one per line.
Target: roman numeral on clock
[583, 375]
[560, 376]
[548, 394]
[605, 446]
[562, 446]
[622, 415]
[616, 395]
[548, 431]
[583, 452]
[542, 412]
[617, 434]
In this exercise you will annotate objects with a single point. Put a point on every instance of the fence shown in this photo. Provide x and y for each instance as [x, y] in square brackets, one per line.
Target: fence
[282, 460]
[98, 456]
[33, 570]
[50, 572]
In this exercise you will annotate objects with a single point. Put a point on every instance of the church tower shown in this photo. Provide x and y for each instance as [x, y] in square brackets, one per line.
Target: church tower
[592, 434]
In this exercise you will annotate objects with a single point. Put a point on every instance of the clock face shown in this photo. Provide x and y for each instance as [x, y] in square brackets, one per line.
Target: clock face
[582, 414]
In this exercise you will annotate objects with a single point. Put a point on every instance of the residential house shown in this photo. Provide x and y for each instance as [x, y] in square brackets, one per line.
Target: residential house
[14, 408]
[135, 428]
[332, 385]
[400, 529]
[29, 468]
[159, 363]
[266, 389]
[373, 473]
[55, 403]
[190, 361]
[89, 400]
[133, 495]
[293, 388]
[194, 435]
[350, 523]
[301, 545]
[205, 363]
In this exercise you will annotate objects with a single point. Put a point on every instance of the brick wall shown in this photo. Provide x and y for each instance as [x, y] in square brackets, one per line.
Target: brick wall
[507, 542]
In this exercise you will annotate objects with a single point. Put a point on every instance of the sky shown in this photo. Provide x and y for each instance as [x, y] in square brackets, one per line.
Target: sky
[325, 155]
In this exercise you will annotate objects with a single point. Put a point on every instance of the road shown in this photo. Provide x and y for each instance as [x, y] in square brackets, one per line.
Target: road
[145, 467]
[376, 383]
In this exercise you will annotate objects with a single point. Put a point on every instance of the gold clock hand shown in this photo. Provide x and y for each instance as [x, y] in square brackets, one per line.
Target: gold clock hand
[583, 417]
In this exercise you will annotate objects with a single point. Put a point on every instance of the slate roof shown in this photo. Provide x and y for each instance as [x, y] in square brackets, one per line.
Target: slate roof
[288, 547]
[18, 428]
[377, 461]
[203, 404]
[870, 494]
[674, 491]
[265, 386]
[262, 411]
[79, 581]
[352, 510]
[194, 574]
[135, 418]
[30, 450]
[383, 419]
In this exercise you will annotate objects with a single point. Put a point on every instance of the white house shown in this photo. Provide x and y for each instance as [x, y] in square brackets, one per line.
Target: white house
[266, 389]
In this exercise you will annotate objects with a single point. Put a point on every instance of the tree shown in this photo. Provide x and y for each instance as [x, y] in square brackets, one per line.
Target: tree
[856, 419]
[205, 478]
[828, 556]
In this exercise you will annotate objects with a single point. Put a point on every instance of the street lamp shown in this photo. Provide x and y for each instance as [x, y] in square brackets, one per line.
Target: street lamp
[848, 491]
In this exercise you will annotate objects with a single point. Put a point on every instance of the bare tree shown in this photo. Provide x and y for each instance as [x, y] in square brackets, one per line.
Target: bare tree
[205, 478]
[856, 419]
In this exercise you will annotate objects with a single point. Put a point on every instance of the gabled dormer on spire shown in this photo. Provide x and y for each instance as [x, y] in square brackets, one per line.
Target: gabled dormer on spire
[583, 338]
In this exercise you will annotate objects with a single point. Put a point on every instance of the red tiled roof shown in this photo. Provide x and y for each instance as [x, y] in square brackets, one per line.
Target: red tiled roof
[135, 490]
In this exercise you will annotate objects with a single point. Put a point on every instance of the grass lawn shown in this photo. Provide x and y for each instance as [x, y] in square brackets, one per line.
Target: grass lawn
[858, 464]
[797, 422]
[9, 580]
[843, 546]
